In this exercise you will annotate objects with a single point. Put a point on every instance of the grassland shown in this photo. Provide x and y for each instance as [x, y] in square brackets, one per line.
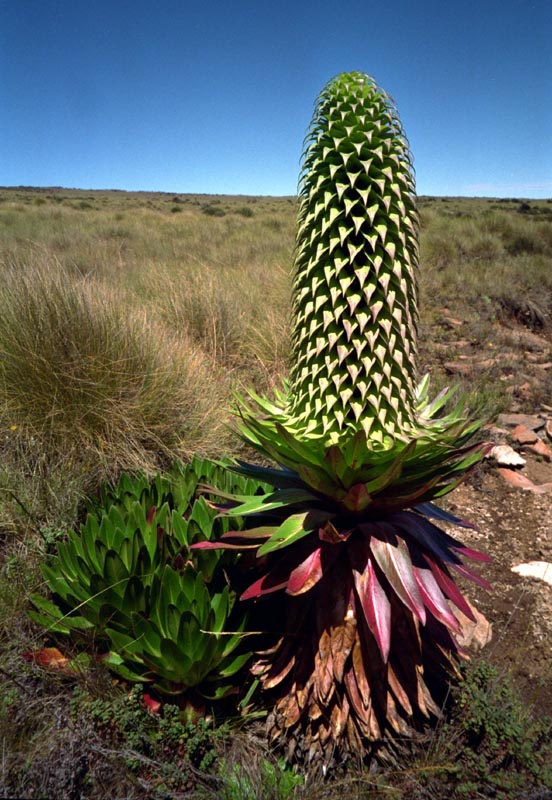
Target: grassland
[127, 322]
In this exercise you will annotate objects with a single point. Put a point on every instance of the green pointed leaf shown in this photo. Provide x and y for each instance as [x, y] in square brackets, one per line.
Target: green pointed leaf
[292, 530]
[115, 572]
[233, 665]
[272, 501]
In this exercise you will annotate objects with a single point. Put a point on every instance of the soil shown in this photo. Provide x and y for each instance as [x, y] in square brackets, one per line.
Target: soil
[514, 525]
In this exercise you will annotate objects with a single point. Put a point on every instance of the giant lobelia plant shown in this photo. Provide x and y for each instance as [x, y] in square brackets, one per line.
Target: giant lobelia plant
[349, 532]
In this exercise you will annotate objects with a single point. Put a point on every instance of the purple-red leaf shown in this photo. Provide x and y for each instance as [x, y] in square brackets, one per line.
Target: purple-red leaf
[307, 574]
[222, 546]
[376, 607]
[475, 555]
[394, 561]
[434, 598]
[265, 585]
[472, 576]
[329, 533]
[357, 498]
[264, 532]
[153, 705]
[449, 588]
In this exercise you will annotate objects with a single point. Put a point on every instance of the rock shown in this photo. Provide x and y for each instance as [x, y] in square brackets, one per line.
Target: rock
[539, 448]
[528, 340]
[523, 435]
[444, 347]
[458, 367]
[450, 322]
[522, 481]
[548, 429]
[487, 362]
[506, 456]
[542, 570]
[531, 421]
[474, 634]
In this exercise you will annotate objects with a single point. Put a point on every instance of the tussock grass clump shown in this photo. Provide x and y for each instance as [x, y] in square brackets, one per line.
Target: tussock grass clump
[106, 387]
[227, 314]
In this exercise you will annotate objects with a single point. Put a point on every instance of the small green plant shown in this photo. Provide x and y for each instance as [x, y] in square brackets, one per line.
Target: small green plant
[214, 210]
[500, 732]
[492, 745]
[245, 211]
[129, 578]
[125, 721]
[273, 781]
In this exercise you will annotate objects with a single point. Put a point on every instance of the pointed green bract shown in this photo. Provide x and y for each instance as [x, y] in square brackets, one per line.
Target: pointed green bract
[355, 293]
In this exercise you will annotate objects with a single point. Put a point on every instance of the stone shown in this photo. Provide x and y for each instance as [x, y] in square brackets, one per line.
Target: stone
[539, 448]
[548, 429]
[542, 570]
[523, 435]
[520, 481]
[532, 421]
[506, 456]
[529, 341]
[474, 635]
[450, 322]
[458, 367]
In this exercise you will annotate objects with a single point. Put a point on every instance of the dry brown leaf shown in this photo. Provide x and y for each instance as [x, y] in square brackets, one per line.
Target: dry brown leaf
[342, 639]
[273, 680]
[398, 690]
[357, 702]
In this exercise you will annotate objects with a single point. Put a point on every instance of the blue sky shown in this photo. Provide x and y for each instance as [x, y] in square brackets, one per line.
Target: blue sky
[215, 97]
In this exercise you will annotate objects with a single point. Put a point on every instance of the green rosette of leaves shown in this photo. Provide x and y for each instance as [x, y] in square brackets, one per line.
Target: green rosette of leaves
[128, 582]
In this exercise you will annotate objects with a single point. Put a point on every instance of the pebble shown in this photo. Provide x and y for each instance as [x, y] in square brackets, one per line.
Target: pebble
[523, 435]
[535, 569]
[523, 482]
[539, 448]
[532, 421]
[506, 456]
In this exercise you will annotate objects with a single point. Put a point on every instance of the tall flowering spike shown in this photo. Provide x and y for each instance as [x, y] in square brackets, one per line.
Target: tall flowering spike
[355, 288]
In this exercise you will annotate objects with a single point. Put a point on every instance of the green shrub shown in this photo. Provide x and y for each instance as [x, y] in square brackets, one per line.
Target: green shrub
[245, 211]
[177, 747]
[497, 743]
[214, 210]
